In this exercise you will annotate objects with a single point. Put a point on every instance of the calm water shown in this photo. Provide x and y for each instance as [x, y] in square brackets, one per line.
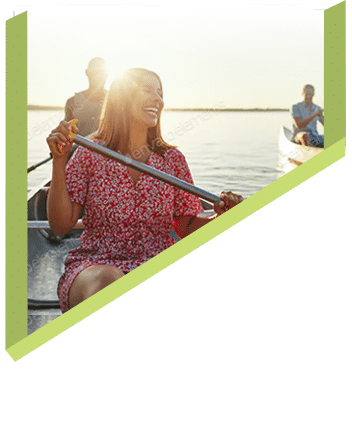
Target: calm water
[235, 151]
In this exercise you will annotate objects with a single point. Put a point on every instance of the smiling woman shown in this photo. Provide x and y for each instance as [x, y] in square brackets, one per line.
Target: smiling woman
[128, 216]
[131, 114]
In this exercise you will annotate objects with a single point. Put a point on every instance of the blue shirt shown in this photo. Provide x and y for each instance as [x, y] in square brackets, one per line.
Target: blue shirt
[301, 110]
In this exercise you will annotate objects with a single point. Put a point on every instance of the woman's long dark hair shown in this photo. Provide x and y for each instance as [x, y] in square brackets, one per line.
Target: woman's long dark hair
[114, 127]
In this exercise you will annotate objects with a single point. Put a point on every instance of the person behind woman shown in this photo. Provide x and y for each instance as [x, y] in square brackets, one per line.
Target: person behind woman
[86, 106]
[305, 116]
[128, 216]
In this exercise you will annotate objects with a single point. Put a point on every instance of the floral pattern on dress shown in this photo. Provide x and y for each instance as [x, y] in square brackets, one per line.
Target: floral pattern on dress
[125, 222]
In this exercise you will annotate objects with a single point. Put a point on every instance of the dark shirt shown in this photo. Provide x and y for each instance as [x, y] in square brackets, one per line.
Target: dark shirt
[87, 111]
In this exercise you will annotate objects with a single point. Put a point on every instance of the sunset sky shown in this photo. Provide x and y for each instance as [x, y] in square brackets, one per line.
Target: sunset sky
[238, 56]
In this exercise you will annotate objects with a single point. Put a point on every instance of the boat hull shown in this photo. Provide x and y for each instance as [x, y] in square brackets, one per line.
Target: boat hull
[291, 154]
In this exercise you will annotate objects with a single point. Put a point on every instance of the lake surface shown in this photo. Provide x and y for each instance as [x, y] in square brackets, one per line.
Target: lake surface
[233, 151]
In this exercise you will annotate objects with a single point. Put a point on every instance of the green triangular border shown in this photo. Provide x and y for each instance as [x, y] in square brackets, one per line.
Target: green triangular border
[17, 343]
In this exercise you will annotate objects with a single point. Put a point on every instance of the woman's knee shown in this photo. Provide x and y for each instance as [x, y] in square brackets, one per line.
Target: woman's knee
[105, 275]
[92, 280]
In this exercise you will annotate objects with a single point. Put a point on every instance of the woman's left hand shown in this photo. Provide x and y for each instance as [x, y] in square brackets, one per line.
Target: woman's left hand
[229, 200]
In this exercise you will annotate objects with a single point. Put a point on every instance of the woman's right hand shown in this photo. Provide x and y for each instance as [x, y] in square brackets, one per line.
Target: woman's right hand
[60, 139]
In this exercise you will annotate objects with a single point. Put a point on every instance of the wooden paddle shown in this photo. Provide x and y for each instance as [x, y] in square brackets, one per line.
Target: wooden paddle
[146, 169]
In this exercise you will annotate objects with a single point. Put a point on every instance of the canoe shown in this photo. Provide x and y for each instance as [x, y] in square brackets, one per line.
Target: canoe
[46, 255]
[291, 155]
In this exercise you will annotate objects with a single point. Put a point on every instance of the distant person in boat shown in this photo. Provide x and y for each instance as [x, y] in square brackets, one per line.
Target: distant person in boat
[305, 116]
[86, 106]
[128, 216]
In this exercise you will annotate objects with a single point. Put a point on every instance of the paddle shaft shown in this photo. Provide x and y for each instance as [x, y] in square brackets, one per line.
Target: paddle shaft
[143, 168]
[33, 167]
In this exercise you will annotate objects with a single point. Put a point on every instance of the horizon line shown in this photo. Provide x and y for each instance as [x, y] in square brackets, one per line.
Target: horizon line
[207, 109]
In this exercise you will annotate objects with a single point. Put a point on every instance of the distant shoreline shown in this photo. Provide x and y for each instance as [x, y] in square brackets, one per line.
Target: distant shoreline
[226, 109]
[57, 107]
[44, 107]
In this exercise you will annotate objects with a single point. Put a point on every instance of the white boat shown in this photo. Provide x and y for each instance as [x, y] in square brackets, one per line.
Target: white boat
[291, 154]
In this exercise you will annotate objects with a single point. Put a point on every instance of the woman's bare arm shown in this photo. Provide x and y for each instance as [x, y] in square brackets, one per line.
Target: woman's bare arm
[187, 224]
[62, 212]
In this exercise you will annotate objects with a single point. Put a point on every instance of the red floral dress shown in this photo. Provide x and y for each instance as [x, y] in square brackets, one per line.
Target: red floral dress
[126, 223]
